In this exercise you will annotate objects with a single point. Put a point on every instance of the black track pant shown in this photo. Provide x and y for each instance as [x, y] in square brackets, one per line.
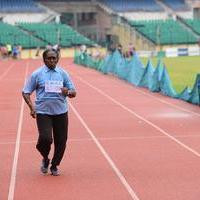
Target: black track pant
[52, 128]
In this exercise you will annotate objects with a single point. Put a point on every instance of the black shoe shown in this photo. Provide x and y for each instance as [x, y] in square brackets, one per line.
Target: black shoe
[54, 171]
[44, 166]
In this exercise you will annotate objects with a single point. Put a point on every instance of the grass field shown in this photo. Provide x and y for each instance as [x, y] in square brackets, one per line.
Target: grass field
[182, 70]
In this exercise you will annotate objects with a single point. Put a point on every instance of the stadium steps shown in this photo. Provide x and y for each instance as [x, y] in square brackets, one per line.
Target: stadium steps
[39, 39]
[53, 33]
[35, 28]
[173, 13]
[143, 40]
[15, 36]
[141, 33]
[164, 32]
[186, 26]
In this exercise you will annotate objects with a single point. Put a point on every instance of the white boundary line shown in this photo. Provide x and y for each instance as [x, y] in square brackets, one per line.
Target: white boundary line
[107, 157]
[106, 139]
[140, 117]
[163, 101]
[159, 99]
[17, 147]
[7, 70]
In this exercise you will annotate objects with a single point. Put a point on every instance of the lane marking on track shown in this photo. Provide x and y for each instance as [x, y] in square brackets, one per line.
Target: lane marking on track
[160, 99]
[17, 147]
[173, 105]
[139, 117]
[107, 157]
[7, 70]
[106, 139]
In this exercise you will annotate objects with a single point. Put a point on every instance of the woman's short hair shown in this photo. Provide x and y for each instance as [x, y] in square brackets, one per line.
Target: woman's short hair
[49, 50]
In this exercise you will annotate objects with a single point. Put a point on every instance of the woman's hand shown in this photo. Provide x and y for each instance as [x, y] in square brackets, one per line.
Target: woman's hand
[64, 91]
[68, 93]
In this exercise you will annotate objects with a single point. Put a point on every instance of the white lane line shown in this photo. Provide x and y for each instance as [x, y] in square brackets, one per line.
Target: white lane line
[166, 102]
[139, 117]
[7, 70]
[107, 157]
[17, 147]
[106, 139]
[161, 100]
[170, 104]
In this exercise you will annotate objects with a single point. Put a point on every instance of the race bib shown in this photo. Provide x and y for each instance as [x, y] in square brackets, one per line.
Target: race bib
[53, 86]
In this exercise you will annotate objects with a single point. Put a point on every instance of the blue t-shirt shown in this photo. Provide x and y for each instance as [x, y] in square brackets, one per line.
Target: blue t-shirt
[47, 83]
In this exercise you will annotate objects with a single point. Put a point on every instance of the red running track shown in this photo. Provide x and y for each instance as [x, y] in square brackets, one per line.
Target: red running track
[124, 142]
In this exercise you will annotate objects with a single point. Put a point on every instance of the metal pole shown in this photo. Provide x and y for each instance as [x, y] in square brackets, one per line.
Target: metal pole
[198, 86]
[29, 45]
[58, 36]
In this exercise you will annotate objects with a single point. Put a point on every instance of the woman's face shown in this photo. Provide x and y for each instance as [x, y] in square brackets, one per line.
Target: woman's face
[51, 59]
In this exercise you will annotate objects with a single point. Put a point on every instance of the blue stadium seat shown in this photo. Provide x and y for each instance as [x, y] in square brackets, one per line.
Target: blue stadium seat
[19, 6]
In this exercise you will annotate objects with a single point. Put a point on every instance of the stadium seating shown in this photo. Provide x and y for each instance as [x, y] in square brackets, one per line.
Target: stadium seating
[12, 35]
[19, 6]
[53, 33]
[164, 32]
[194, 24]
[69, 0]
[132, 5]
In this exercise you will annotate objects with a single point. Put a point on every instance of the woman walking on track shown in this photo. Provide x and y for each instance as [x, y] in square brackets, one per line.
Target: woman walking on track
[52, 86]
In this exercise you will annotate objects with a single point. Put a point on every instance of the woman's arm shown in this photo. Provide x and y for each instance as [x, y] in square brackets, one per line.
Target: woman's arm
[27, 98]
[71, 93]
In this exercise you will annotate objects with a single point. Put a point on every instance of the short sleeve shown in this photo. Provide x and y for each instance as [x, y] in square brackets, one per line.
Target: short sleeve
[68, 82]
[30, 84]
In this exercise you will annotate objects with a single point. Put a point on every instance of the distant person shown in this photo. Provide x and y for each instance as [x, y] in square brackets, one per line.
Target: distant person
[15, 52]
[111, 48]
[83, 51]
[120, 49]
[97, 52]
[9, 49]
[20, 51]
[52, 86]
[4, 52]
[134, 52]
[131, 49]
[126, 55]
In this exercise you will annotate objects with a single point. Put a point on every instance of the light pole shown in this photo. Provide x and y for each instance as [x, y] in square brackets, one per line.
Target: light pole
[58, 35]
[30, 35]
[198, 86]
